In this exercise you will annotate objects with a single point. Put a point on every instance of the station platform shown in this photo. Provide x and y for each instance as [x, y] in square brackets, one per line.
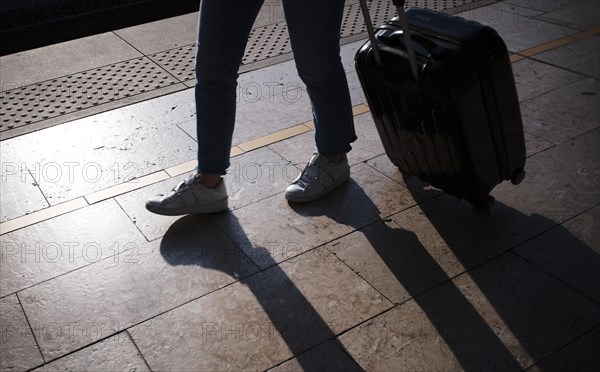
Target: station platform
[385, 273]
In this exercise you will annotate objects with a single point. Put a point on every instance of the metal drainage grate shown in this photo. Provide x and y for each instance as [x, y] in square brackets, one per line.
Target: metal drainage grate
[382, 11]
[86, 89]
[267, 42]
[440, 5]
[273, 40]
[353, 22]
[178, 62]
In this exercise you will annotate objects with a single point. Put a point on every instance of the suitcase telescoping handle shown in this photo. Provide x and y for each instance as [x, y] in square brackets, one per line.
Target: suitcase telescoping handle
[403, 23]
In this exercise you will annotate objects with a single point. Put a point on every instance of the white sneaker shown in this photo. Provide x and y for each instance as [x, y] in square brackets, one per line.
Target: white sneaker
[319, 177]
[189, 196]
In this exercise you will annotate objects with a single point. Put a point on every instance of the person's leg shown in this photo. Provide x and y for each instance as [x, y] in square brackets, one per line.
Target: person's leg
[314, 28]
[223, 29]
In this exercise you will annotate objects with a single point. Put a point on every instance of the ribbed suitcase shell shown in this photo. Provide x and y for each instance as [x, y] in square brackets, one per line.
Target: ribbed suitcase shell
[459, 126]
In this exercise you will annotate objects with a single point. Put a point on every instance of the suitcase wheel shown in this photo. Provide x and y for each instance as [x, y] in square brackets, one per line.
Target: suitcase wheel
[517, 177]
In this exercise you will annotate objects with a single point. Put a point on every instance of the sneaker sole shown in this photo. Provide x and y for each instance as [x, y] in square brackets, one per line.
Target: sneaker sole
[308, 198]
[218, 206]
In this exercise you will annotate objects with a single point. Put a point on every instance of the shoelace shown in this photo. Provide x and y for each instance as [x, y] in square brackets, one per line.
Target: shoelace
[183, 183]
[307, 175]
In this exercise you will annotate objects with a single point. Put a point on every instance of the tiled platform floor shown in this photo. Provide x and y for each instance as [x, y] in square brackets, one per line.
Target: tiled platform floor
[384, 274]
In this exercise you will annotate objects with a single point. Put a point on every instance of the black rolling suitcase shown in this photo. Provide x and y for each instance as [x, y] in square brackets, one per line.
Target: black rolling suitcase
[444, 101]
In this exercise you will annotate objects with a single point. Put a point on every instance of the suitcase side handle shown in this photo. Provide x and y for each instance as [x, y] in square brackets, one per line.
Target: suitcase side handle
[403, 24]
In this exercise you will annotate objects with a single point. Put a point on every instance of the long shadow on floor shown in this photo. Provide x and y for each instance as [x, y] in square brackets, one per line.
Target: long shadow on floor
[517, 303]
[505, 315]
[293, 319]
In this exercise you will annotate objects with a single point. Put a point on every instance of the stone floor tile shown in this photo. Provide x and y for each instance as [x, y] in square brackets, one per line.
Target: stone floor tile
[256, 119]
[189, 127]
[296, 228]
[42, 215]
[102, 299]
[90, 154]
[357, 94]
[384, 165]
[117, 353]
[18, 347]
[278, 84]
[325, 357]
[20, 193]
[399, 261]
[167, 110]
[431, 243]
[365, 127]
[541, 313]
[348, 52]
[152, 225]
[500, 8]
[581, 355]
[580, 14]
[472, 236]
[561, 182]
[512, 26]
[257, 175]
[270, 99]
[137, 183]
[271, 81]
[534, 78]
[109, 104]
[181, 30]
[268, 83]
[289, 234]
[534, 145]
[563, 113]
[251, 177]
[401, 339]
[54, 247]
[265, 107]
[580, 56]
[271, 12]
[161, 35]
[540, 5]
[570, 252]
[368, 145]
[504, 315]
[420, 190]
[298, 149]
[50, 62]
[276, 314]
[274, 98]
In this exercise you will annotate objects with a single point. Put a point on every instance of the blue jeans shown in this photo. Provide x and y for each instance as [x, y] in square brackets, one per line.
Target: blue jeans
[314, 29]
